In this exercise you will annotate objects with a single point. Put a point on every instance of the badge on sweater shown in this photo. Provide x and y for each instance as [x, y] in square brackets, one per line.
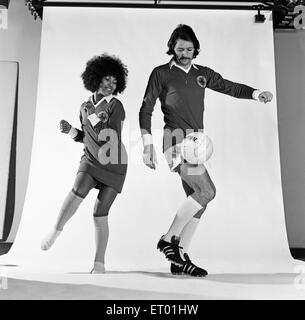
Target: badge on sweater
[103, 115]
[202, 81]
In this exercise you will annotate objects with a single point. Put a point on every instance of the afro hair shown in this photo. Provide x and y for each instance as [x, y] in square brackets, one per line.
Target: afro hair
[101, 66]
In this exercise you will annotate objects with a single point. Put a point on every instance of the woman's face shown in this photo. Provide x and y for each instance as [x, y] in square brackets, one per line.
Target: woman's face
[107, 86]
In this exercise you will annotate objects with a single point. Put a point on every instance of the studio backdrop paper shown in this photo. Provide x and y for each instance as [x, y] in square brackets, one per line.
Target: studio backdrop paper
[243, 228]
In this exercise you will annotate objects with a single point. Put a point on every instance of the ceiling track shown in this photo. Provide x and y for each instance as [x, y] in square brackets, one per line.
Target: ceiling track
[282, 10]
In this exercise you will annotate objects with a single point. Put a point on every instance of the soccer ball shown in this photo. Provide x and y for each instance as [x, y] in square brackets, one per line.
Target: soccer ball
[196, 148]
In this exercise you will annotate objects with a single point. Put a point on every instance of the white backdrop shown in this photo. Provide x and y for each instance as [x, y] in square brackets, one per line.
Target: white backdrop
[243, 229]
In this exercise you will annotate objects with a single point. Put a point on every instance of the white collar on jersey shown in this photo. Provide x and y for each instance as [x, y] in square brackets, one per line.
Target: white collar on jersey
[107, 98]
[174, 63]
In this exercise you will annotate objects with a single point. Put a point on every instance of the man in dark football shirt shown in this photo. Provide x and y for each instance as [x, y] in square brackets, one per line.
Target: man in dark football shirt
[180, 86]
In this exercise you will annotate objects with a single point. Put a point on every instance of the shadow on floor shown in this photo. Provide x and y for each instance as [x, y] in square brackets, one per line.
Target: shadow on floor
[152, 274]
[263, 279]
[255, 278]
[9, 265]
[17, 289]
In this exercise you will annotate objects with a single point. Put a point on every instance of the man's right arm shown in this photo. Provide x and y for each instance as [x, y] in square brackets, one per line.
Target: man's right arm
[152, 93]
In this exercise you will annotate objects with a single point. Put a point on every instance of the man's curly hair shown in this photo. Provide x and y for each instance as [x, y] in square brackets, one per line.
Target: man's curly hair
[101, 66]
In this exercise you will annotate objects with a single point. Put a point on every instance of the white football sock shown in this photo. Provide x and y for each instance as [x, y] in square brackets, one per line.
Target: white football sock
[48, 241]
[186, 211]
[99, 267]
[187, 234]
[101, 238]
[69, 207]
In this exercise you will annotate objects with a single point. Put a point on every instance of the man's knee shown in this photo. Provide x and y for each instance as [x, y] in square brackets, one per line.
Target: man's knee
[205, 196]
[211, 194]
[200, 212]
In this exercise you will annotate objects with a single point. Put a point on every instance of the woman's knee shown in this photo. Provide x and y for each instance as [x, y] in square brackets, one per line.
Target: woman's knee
[100, 210]
[80, 191]
[83, 184]
[100, 213]
[104, 201]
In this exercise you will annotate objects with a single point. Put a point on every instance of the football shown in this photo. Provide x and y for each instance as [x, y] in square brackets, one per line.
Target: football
[196, 148]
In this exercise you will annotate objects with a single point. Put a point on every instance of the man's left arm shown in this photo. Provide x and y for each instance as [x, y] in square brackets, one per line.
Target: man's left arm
[262, 96]
[238, 90]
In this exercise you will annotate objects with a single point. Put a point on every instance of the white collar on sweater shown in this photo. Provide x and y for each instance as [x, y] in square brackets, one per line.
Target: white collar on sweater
[107, 98]
[174, 63]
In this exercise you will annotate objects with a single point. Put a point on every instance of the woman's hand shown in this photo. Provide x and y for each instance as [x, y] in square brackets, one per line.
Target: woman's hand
[89, 108]
[64, 126]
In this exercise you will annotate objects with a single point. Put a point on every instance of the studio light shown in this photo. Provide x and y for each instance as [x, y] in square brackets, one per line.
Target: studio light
[35, 8]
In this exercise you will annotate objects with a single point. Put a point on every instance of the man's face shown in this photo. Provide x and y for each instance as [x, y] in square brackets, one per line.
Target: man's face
[184, 52]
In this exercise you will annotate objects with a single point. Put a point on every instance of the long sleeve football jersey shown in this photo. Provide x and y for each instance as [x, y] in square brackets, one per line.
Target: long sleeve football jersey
[181, 96]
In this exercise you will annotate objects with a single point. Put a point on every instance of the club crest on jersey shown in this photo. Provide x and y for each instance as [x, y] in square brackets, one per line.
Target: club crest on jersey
[202, 81]
[103, 115]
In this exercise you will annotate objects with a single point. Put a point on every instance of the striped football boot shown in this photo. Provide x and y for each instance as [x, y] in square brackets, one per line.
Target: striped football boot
[188, 268]
[171, 250]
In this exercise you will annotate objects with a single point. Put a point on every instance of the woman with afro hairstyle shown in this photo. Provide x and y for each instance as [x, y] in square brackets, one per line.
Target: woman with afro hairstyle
[104, 162]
